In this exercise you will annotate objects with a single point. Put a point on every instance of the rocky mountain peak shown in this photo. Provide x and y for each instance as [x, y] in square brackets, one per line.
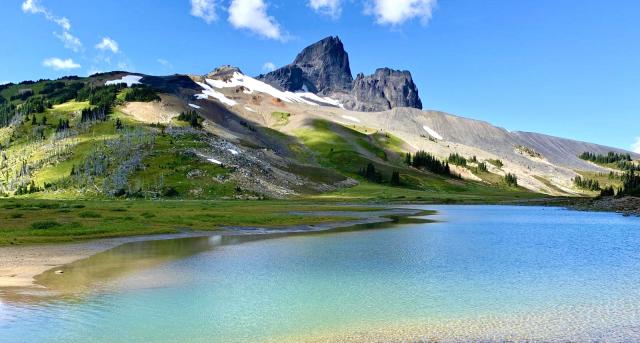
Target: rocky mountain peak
[223, 72]
[384, 90]
[326, 65]
[323, 68]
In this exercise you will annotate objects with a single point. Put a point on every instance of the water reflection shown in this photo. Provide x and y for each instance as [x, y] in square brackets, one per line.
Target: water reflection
[101, 272]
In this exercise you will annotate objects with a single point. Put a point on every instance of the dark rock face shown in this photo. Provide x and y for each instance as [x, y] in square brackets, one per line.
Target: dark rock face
[290, 78]
[320, 68]
[326, 65]
[384, 90]
[323, 68]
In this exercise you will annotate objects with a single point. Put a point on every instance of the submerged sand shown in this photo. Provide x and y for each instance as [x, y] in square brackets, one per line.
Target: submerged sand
[19, 265]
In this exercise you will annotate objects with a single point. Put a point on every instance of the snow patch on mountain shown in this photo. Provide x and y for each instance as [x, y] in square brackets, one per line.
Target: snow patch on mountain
[252, 85]
[432, 133]
[353, 119]
[210, 92]
[129, 80]
[195, 106]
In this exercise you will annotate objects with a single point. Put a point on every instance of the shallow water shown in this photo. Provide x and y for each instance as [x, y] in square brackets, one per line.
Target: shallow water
[483, 273]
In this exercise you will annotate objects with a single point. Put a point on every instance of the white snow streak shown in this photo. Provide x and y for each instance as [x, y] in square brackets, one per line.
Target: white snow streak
[253, 85]
[432, 132]
[353, 119]
[210, 92]
[129, 80]
[195, 106]
[249, 109]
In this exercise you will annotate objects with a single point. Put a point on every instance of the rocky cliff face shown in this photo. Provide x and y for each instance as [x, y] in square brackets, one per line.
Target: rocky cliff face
[320, 68]
[323, 68]
[384, 90]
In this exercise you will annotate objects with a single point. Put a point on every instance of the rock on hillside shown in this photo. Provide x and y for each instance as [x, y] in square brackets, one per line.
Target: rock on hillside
[384, 90]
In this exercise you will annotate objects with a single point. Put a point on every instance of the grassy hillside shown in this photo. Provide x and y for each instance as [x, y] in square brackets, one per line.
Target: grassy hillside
[69, 149]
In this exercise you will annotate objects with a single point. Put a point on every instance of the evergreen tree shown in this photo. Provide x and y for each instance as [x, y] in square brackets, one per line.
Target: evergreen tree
[511, 180]
[407, 159]
[395, 178]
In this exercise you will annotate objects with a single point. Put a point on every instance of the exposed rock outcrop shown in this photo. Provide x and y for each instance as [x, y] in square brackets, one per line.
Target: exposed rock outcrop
[324, 68]
[321, 68]
[326, 65]
[384, 90]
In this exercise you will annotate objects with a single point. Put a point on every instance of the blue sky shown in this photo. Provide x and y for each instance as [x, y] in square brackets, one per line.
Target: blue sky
[569, 68]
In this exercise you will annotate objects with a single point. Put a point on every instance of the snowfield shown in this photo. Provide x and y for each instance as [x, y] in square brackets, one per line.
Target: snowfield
[252, 85]
[210, 92]
[431, 132]
[129, 80]
[195, 106]
[350, 118]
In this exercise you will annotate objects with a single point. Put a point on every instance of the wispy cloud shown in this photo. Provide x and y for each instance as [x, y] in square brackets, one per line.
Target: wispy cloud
[205, 9]
[331, 8]
[108, 44]
[60, 64]
[636, 146]
[34, 7]
[166, 64]
[252, 15]
[396, 12]
[269, 66]
[70, 41]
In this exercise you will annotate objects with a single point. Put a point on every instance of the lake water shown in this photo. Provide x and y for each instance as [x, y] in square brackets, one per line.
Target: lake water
[482, 273]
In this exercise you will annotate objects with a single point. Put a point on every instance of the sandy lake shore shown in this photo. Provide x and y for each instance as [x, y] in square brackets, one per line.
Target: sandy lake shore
[20, 264]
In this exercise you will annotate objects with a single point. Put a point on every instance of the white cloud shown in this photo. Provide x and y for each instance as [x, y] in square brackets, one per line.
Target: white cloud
[34, 7]
[636, 146]
[165, 63]
[269, 66]
[108, 44]
[70, 41]
[252, 15]
[332, 8]
[60, 64]
[396, 12]
[205, 9]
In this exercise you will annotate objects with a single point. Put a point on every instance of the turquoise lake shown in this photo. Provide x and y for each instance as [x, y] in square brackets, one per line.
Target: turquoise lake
[480, 273]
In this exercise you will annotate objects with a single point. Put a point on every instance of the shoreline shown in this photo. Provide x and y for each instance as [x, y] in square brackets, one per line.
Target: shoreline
[21, 264]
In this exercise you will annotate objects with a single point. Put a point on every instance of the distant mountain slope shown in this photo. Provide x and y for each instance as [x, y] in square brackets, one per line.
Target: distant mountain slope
[228, 135]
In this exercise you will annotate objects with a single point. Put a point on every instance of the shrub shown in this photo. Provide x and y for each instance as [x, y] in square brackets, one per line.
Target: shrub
[170, 192]
[89, 214]
[45, 224]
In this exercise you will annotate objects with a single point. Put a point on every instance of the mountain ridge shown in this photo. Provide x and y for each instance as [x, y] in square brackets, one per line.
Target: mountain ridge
[228, 135]
[324, 68]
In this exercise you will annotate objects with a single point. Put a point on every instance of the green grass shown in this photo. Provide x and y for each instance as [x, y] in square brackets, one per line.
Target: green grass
[550, 185]
[48, 221]
[281, 118]
[464, 193]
